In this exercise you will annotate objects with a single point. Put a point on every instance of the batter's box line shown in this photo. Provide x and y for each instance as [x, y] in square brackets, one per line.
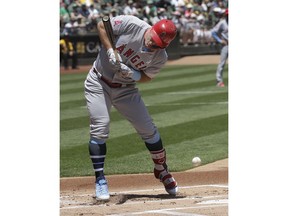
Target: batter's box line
[180, 187]
[171, 211]
[220, 199]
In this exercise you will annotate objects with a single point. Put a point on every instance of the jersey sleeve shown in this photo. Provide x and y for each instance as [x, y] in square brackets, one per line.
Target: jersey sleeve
[220, 30]
[217, 27]
[156, 65]
[125, 23]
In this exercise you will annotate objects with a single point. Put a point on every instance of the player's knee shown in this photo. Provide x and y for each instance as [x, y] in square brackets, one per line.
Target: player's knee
[96, 141]
[152, 139]
[99, 130]
[102, 122]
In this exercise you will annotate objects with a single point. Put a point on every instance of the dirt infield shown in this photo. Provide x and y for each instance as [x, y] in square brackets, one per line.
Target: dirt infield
[203, 191]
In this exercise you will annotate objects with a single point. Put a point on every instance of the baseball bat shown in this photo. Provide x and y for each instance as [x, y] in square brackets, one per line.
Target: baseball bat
[109, 32]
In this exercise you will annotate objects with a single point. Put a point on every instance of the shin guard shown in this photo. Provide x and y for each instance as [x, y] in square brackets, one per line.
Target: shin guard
[161, 171]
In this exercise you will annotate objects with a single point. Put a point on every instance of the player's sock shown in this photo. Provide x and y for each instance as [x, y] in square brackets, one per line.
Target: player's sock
[158, 155]
[161, 172]
[97, 155]
[159, 159]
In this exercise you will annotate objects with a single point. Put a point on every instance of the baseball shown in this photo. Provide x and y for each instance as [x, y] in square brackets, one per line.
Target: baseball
[196, 161]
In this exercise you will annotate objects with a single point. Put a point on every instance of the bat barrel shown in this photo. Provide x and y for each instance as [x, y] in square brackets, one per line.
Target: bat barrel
[109, 30]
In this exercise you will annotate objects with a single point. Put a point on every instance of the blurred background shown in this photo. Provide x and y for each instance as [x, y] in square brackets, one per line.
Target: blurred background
[193, 18]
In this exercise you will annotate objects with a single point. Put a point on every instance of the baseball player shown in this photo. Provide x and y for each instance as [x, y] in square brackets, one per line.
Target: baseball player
[67, 51]
[220, 34]
[112, 82]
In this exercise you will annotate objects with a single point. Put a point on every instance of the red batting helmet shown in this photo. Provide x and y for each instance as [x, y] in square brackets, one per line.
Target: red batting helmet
[163, 32]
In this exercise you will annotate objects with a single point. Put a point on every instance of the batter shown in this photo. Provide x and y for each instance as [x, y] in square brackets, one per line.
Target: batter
[141, 50]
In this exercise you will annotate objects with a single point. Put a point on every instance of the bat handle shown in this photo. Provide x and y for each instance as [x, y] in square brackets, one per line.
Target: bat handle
[116, 55]
[105, 18]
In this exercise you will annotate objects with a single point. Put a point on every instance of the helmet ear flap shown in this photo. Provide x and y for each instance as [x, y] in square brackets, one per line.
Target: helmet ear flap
[164, 32]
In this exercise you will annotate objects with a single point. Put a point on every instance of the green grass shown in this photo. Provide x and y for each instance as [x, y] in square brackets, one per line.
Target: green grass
[190, 112]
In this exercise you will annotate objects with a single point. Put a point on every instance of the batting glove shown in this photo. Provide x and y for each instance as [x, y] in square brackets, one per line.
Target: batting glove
[128, 72]
[112, 58]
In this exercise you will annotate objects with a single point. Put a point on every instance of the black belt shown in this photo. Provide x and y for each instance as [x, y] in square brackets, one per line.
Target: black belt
[109, 83]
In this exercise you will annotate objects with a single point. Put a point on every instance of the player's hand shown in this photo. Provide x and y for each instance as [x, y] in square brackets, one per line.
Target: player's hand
[112, 58]
[128, 72]
[125, 71]
[224, 42]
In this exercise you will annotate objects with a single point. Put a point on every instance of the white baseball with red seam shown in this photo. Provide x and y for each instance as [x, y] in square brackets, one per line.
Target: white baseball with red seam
[196, 161]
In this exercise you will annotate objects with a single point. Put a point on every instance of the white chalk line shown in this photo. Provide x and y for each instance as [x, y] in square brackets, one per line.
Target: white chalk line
[176, 199]
[178, 213]
[220, 201]
[165, 211]
[191, 92]
[181, 104]
[182, 187]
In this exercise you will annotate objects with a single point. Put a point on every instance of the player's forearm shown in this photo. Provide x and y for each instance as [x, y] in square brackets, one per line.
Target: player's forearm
[103, 35]
[144, 78]
[215, 36]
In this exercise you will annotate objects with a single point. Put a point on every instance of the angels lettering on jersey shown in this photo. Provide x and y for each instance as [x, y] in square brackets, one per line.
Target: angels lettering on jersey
[135, 59]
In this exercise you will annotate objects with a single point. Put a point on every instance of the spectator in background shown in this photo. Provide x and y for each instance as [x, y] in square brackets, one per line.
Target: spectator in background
[188, 11]
[220, 34]
[84, 21]
[149, 11]
[71, 27]
[87, 2]
[64, 14]
[75, 13]
[93, 16]
[166, 4]
[114, 12]
[218, 13]
[93, 12]
[130, 9]
[84, 11]
[221, 4]
[160, 15]
[73, 4]
[205, 6]
[178, 21]
[197, 8]
[177, 3]
[212, 4]
[190, 27]
[202, 32]
[67, 51]
[103, 10]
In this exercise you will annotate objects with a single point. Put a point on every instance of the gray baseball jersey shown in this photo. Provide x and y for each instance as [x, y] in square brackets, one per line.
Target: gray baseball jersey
[221, 30]
[129, 35]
